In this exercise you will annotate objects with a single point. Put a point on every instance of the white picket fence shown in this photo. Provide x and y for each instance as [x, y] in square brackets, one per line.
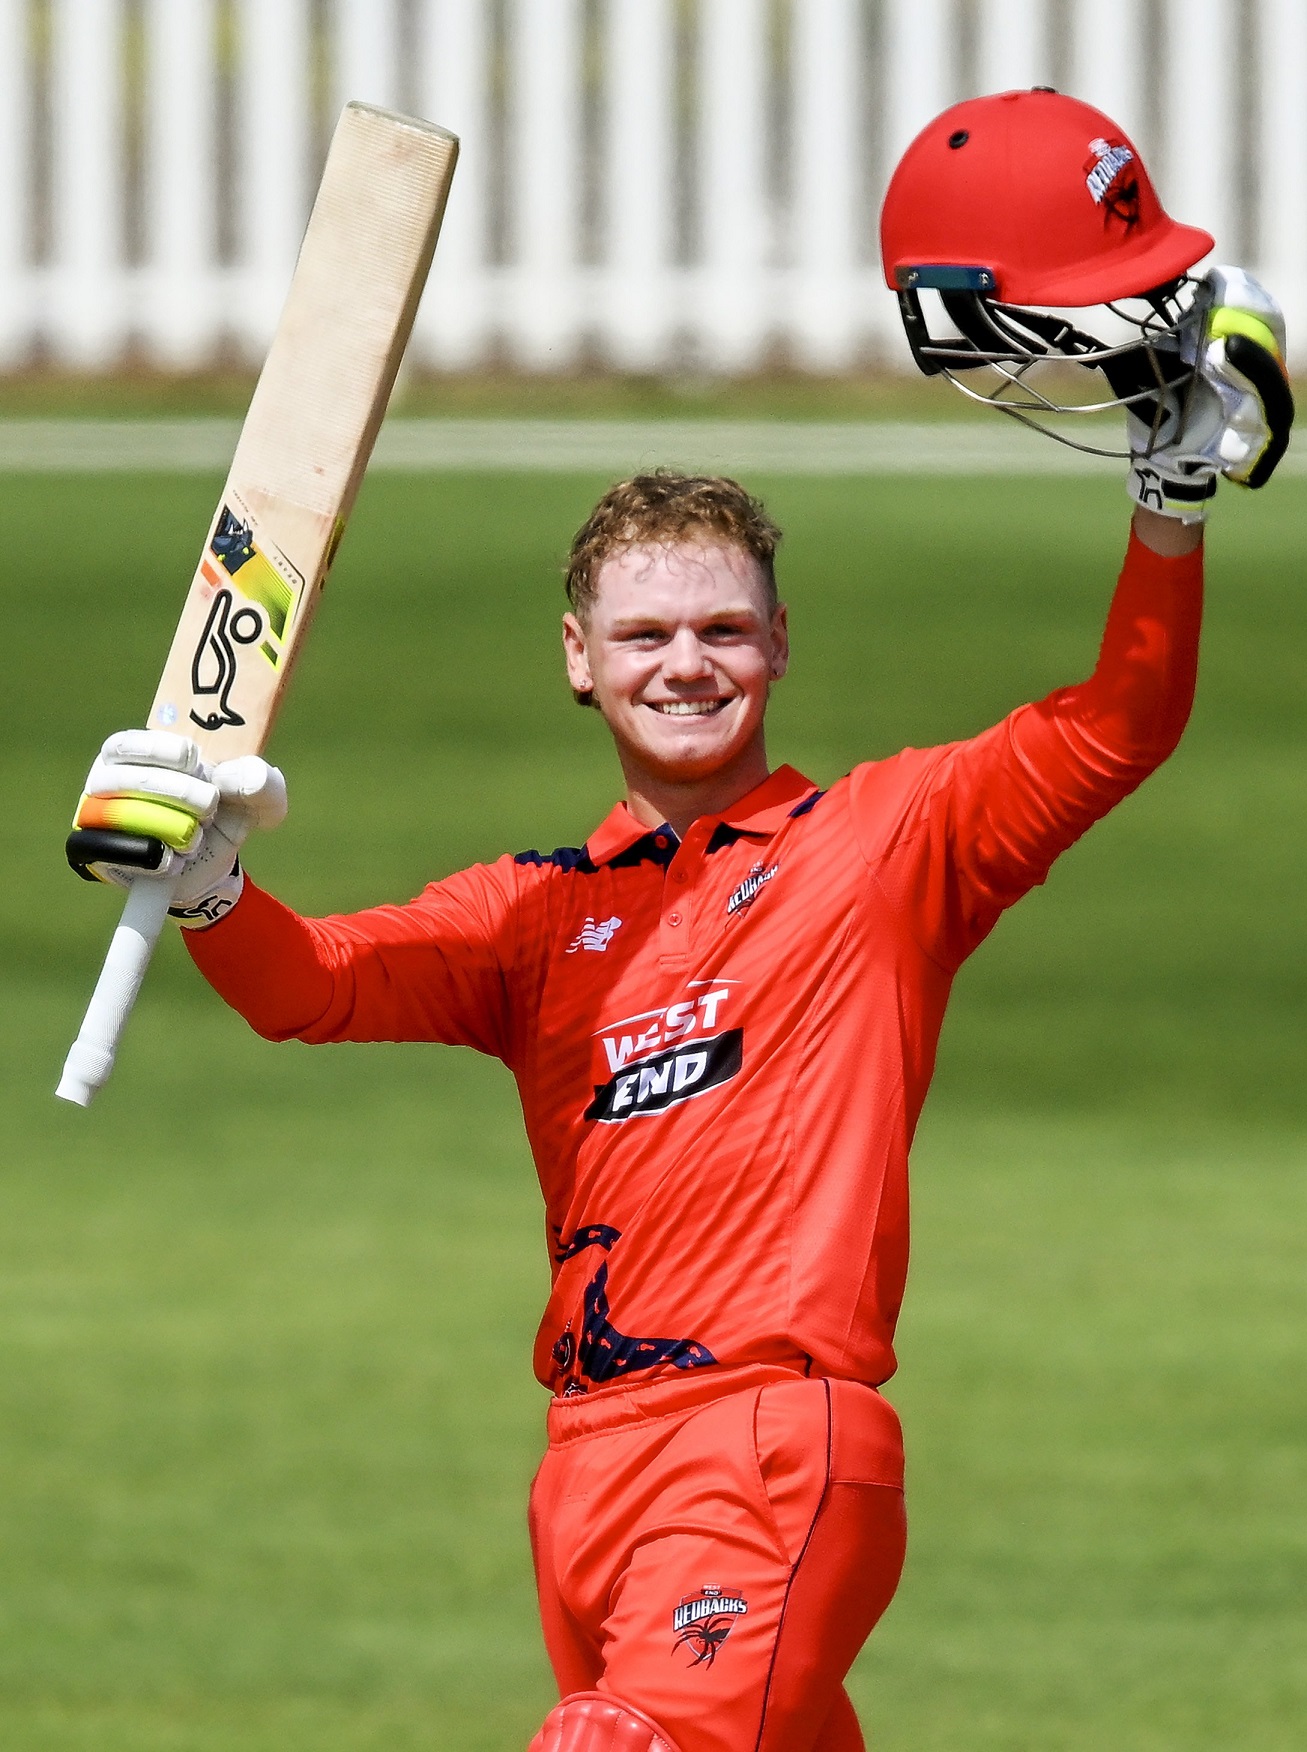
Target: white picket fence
[646, 184]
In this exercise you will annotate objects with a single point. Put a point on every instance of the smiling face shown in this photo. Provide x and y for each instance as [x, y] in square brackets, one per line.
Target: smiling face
[679, 647]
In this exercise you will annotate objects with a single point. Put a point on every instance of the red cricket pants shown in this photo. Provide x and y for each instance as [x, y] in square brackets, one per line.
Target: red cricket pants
[715, 1551]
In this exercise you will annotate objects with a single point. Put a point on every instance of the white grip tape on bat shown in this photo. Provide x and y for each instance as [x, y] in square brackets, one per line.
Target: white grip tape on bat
[90, 1058]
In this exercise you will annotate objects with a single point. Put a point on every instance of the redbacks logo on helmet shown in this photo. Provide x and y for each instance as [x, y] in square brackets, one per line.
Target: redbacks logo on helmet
[1111, 181]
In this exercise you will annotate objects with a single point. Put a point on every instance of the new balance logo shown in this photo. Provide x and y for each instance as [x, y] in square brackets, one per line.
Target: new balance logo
[594, 936]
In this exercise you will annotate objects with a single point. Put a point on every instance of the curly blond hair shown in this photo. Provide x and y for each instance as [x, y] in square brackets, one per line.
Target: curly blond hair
[667, 506]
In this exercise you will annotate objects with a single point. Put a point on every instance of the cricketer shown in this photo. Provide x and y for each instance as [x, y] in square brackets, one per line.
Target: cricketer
[740, 970]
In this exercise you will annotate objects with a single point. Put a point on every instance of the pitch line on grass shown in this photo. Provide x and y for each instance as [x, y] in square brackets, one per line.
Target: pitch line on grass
[791, 447]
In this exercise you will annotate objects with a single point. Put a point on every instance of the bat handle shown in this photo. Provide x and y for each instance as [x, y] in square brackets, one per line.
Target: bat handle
[90, 1057]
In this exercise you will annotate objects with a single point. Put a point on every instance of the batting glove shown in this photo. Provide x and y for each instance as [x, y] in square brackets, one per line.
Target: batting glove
[154, 806]
[1233, 420]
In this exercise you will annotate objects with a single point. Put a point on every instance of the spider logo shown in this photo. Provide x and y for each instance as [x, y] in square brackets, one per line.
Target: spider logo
[702, 1622]
[706, 1638]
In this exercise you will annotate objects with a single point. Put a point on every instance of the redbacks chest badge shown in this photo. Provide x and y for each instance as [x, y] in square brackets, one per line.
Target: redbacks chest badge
[1112, 178]
[703, 1621]
[748, 891]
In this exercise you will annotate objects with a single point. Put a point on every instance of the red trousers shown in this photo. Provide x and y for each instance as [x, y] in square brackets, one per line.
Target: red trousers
[715, 1551]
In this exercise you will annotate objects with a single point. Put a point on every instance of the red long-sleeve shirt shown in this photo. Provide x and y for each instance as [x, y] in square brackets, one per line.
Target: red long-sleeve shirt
[722, 1044]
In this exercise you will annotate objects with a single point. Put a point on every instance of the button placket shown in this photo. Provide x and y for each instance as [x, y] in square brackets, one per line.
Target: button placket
[678, 884]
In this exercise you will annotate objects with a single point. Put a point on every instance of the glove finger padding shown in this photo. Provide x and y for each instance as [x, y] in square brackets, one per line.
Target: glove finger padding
[1236, 417]
[154, 806]
[198, 796]
[1243, 359]
[1248, 363]
[146, 798]
[155, 748]
[254, 788]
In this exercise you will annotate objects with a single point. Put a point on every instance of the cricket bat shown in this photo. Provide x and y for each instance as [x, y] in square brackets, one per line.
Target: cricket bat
[307, 437]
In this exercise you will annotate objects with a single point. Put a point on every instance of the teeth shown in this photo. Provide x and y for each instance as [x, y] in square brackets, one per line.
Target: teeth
[688, 708]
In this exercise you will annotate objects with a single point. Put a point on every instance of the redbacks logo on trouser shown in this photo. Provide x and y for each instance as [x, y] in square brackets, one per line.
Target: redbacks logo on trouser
[702, 1622]
[711, 1554]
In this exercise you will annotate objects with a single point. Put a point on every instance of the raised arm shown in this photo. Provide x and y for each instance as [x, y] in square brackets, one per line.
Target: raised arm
[1026, 790]
[981, 822]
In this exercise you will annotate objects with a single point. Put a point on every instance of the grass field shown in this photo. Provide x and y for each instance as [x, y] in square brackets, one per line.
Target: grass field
[266, 1418]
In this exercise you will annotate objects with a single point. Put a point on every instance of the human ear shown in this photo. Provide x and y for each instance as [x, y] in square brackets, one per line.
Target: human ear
[780, 642]
[574, 651]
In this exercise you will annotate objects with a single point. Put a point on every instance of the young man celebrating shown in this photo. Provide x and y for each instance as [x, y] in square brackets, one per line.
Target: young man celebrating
[722, 1014]
[722, 1010]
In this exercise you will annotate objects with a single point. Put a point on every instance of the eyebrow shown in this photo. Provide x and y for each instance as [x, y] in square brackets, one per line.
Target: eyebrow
[732, 612]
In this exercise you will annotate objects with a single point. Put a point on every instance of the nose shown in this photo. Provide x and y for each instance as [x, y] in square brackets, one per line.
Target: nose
[686, 658]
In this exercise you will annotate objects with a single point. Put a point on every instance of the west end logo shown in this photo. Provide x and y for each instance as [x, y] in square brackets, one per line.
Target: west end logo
[671, 1055]
[668, 1078]
[703, 1621]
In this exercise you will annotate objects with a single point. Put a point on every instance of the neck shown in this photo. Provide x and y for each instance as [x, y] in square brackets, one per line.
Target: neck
[654, 799]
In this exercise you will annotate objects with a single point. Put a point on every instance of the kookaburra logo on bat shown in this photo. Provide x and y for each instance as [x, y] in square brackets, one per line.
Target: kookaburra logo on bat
[214, 665]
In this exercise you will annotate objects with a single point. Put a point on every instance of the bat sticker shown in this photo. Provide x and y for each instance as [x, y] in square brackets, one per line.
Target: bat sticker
[213, 667]
[234, 548]
[243, 574]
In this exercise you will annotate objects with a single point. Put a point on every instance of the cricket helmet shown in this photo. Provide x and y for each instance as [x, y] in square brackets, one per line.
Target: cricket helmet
[1015, 206]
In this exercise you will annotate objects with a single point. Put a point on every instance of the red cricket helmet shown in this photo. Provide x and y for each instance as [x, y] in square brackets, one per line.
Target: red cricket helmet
[1044, 195]
[1033, 199]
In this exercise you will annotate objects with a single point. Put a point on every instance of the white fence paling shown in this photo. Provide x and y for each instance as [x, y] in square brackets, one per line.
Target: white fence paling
[269, 116]
[1282, 147]
[365, 58]
[86, 292]
[651, 183]
[825, 303]
[1107, 63]
[456, 323]
[638, 312]
[179, 297]
[15, 283]
[545, 319]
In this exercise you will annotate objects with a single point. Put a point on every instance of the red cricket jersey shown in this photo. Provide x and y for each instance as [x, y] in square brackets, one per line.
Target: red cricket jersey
[722, 1044]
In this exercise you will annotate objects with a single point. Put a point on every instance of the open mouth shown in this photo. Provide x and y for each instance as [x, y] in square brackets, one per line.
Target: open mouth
[688, 708]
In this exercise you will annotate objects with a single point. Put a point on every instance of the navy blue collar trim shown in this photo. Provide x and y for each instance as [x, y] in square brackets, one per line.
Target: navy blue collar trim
[563, 857]
[658, 846]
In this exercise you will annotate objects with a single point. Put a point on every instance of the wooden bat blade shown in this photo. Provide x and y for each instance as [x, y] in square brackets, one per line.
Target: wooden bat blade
[307, 437]
[309, 432]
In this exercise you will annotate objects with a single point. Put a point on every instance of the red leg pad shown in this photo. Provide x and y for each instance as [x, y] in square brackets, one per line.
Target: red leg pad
[591, 1721]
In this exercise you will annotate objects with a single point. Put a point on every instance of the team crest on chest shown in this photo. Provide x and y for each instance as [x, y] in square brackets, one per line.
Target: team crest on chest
[703, 1621]
[748, 891]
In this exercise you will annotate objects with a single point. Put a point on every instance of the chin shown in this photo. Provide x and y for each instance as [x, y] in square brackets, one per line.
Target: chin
[687, 765]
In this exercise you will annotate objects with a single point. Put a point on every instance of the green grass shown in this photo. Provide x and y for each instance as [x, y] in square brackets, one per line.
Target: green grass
[266, 1418]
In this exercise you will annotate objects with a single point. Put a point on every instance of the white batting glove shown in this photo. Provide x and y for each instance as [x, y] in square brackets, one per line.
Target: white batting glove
[153, 806]
[1235, 418]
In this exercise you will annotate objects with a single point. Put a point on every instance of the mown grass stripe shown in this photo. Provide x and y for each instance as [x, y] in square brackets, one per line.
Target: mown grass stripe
[865, 448]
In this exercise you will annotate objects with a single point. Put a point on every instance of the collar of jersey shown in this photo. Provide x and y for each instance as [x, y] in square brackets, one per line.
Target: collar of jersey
[763, 812]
